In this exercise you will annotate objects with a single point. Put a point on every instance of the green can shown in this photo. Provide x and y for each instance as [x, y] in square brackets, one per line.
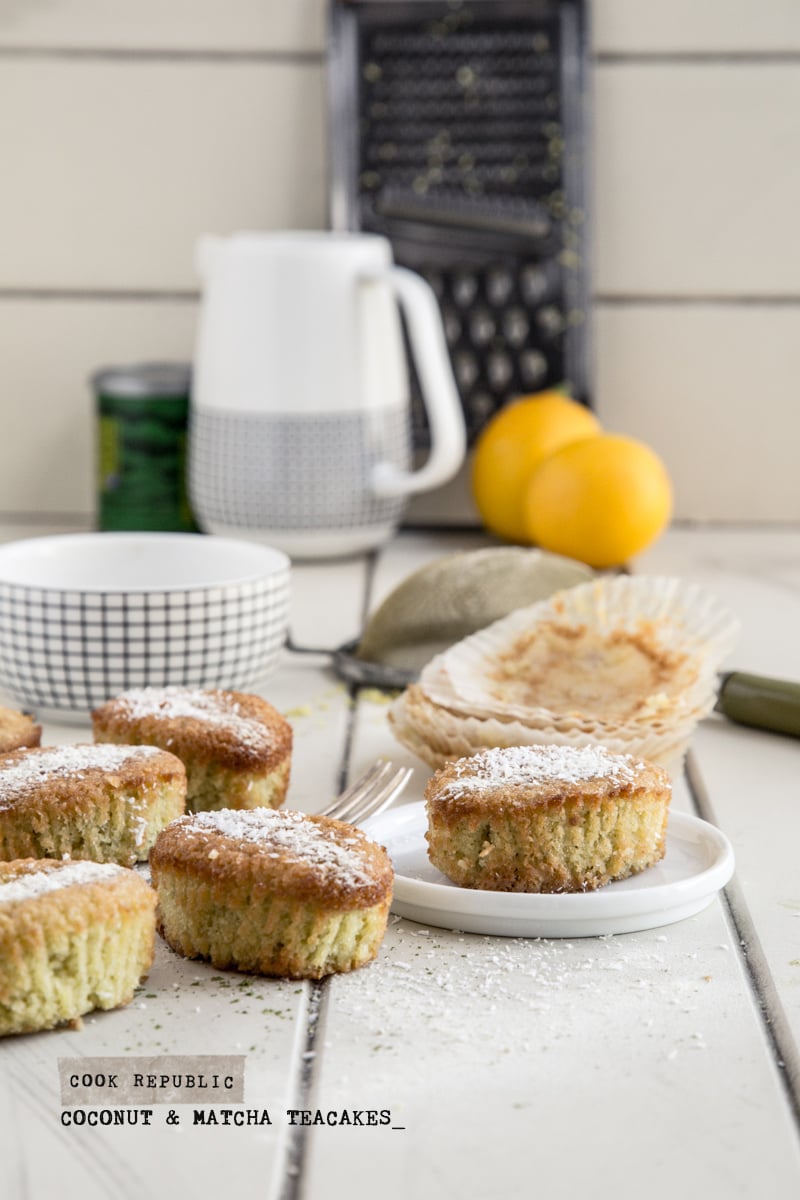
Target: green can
[142, 418]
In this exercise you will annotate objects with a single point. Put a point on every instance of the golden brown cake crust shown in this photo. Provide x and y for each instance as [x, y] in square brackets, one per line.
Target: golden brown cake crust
[234, 730]
[17, 729]
[290, 853]
[72, 776]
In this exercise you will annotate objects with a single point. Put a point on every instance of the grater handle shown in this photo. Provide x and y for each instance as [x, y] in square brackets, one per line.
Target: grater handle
[440, 394]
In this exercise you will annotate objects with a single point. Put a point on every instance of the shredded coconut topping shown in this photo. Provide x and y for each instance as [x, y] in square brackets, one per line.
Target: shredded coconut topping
[51, 879]
[139, 826]
[289, 834]
[539, 764]
[175, 703]
[31, 770]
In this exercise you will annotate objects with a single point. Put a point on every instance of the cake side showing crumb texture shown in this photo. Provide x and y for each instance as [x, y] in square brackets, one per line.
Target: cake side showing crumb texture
[74, 937]
[546, 818]
[105, 803]
[275, 893]
[17, 729]
[236, 747]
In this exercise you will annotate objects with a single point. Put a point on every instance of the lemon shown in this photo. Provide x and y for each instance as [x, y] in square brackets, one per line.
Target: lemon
[602, 500]
[511, 447]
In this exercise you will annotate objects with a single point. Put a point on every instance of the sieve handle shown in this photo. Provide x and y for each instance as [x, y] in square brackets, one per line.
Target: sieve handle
[764, 703]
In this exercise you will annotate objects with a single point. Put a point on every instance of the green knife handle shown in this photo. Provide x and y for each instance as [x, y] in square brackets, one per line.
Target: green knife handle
[772, 704]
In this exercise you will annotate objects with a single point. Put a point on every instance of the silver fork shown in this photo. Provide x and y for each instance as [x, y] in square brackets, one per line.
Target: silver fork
[370, 794]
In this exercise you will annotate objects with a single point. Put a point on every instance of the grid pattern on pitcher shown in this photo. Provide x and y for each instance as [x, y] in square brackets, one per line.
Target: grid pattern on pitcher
[74, 650]
[285, 472]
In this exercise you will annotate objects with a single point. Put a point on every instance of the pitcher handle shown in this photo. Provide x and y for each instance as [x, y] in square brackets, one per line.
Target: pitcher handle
[439, 392]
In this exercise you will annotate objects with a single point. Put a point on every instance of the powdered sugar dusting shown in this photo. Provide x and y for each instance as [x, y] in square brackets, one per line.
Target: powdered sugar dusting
[531, 765]
[292, 835]
[195, 704]
[36, 767]
[51, 879]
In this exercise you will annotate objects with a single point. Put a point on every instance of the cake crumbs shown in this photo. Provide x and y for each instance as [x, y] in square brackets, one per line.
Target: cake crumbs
[378, 696]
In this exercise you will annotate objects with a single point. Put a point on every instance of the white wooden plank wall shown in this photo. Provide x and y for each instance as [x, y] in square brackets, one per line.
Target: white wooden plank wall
[127, 129]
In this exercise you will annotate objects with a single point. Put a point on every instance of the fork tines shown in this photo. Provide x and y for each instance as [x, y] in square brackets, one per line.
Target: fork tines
[370, 794]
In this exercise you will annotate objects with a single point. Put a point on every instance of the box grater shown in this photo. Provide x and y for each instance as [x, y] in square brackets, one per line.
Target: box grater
[458, 130]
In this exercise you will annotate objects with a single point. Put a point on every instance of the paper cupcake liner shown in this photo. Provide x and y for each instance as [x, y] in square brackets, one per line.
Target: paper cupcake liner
[438, 690]
[681, 622]
[437, 735]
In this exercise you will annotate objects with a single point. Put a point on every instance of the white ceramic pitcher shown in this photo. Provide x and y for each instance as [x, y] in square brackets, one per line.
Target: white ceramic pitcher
[300, 424]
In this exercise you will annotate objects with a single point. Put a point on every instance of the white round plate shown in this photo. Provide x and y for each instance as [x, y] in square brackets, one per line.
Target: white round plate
[698, 862]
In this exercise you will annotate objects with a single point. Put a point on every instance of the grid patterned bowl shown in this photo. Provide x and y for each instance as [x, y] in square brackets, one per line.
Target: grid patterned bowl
[86, 616]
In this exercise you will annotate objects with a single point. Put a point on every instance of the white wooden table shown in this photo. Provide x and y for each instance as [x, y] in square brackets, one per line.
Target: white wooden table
[662, 1063]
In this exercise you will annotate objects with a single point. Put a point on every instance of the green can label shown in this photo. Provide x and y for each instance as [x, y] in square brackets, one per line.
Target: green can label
[141, 461]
